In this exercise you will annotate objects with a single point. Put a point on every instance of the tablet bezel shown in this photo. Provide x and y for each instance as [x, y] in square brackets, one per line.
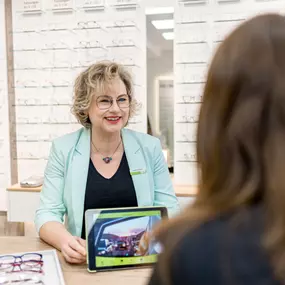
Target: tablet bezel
[91, 260]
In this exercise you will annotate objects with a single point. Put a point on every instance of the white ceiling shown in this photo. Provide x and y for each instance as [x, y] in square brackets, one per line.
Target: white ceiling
[156, 44]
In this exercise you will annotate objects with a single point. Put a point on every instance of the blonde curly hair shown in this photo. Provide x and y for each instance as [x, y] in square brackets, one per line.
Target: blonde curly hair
[94, 80]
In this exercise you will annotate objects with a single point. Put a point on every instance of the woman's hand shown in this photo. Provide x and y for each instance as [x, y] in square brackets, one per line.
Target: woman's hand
[74, 250]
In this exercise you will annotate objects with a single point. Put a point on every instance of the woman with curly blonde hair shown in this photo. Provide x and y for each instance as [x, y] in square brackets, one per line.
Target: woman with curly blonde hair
[92, 167]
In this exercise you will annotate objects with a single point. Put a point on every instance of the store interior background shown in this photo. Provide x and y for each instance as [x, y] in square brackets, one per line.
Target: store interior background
[173, 72]
[160, 92]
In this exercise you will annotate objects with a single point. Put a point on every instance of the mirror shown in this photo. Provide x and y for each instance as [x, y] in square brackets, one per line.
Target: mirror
[160, 92]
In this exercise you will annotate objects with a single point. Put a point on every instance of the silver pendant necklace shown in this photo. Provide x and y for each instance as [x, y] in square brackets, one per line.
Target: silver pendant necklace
[106, 159]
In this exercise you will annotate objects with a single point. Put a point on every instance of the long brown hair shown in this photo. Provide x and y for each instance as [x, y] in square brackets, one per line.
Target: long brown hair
[241, 136]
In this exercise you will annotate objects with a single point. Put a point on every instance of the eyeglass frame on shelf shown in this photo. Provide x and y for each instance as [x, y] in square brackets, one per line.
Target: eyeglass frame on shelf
[125, 24]
[25, 84]
[191, 99]
[86, 27]
[89, 44]
[188, 137]
[123, 43]
[191, 156]
[57, 46]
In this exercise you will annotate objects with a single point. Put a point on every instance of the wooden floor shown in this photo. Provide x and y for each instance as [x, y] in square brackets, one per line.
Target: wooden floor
[10, 229]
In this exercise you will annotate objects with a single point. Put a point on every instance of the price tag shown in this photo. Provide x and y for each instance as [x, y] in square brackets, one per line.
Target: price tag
[93, 3]
[32, 5]
[62, 4]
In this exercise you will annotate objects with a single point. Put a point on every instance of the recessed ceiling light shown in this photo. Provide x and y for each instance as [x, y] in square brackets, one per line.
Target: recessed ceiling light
[163, 24]
[159, 10]
[168, 36]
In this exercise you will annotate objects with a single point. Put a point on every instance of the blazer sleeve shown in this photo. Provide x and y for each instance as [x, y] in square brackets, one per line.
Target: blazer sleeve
[52, 206]
[164, 194]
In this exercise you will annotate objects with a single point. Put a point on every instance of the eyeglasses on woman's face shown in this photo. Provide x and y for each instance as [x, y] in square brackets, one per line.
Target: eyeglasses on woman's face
[105, 102]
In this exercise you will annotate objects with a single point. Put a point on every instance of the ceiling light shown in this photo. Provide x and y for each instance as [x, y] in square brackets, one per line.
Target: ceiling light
[159, 10]
[168, 36]
[163, 24]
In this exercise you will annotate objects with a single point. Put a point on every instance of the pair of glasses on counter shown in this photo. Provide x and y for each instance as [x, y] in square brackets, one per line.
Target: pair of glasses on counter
[21, 269]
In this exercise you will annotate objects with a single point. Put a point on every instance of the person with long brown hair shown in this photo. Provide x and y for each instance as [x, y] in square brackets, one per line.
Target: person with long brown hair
[234, 233]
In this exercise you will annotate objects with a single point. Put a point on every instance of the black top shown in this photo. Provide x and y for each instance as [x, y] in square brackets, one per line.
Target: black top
[224, 251]
[116, 192]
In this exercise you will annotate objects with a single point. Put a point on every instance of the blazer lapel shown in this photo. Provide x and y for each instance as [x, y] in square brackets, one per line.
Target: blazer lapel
[138, 168]
[80, 166]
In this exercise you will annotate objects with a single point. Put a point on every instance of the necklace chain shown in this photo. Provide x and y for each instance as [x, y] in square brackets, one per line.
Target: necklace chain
[106, 159]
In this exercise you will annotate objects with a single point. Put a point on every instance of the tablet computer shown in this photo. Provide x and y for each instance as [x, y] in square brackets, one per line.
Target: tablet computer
[120, 238]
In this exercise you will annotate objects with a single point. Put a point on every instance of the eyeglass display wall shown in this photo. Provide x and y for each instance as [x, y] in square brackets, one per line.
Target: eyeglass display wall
[200, 26]
[53, 42]
[4, 124]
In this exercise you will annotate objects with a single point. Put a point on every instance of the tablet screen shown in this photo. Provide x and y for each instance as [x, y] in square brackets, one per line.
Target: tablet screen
[121, 237]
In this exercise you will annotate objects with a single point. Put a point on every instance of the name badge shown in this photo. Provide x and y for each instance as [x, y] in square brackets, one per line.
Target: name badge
[137, 171]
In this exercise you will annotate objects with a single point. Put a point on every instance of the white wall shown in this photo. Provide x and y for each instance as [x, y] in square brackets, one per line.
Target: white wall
[159, 66]
[4, 122]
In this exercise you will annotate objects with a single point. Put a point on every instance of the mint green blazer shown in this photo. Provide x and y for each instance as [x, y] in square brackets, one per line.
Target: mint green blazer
[63, 191]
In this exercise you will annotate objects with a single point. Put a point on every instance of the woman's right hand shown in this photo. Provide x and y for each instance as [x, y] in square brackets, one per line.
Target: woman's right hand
[74, 250]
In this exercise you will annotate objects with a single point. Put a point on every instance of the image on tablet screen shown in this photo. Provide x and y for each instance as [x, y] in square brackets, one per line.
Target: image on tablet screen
[125, 238]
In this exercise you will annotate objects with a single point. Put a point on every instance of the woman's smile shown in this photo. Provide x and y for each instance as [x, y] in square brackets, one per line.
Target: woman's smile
[113, 119]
